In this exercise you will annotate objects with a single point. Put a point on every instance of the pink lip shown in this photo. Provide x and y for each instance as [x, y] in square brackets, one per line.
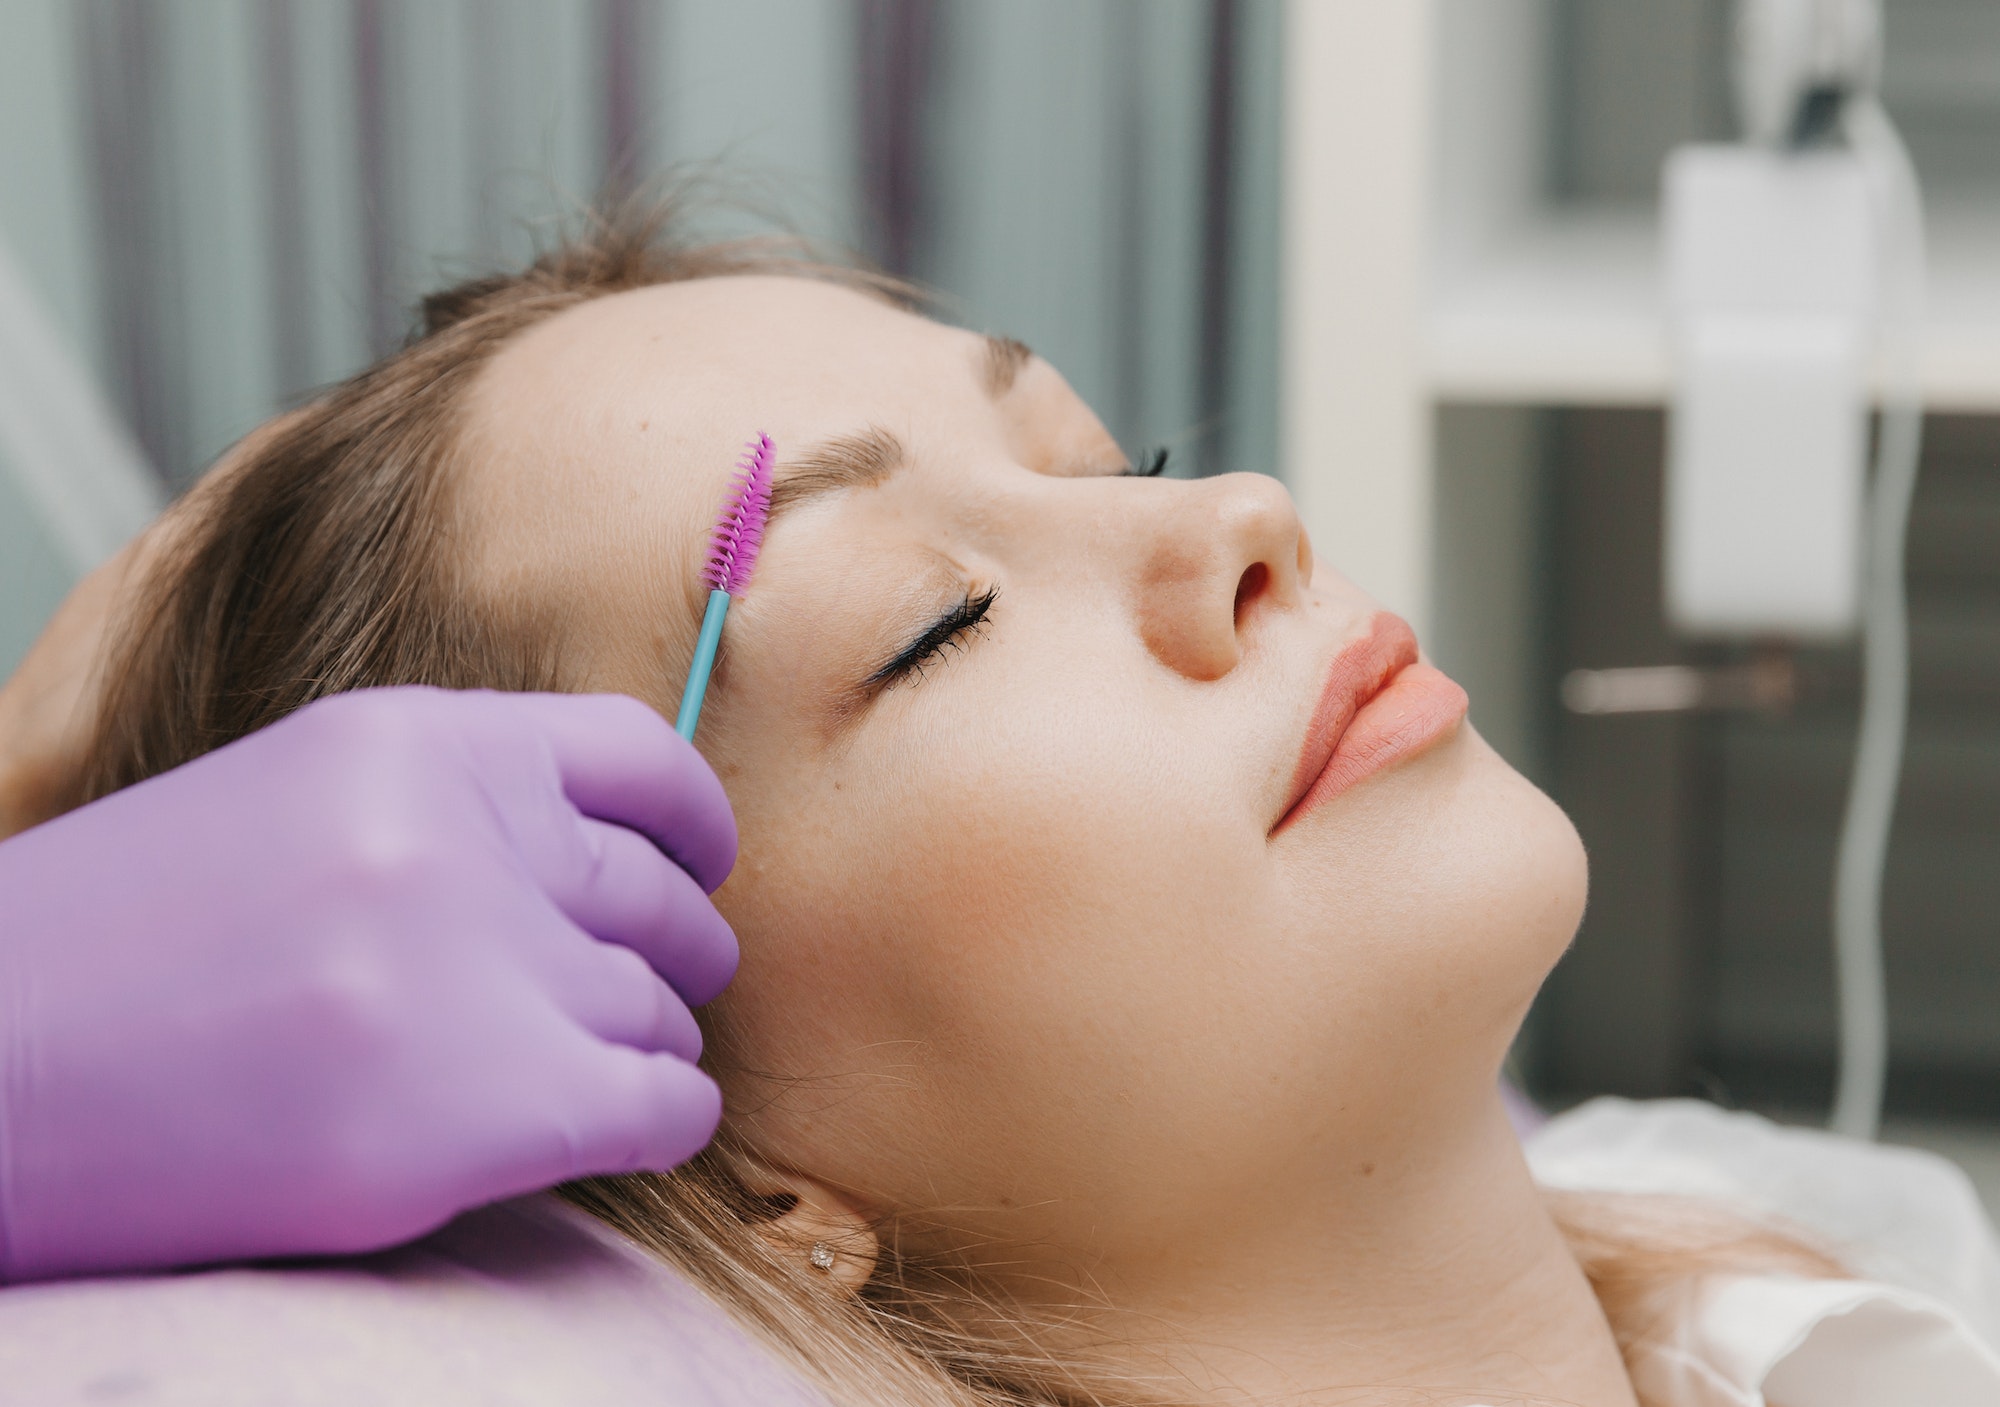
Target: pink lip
[1380, 705]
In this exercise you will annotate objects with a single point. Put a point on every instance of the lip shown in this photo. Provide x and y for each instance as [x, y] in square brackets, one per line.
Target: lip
[1380, 705]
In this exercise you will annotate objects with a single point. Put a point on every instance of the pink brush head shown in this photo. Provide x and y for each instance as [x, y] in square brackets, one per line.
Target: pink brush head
[739, 532]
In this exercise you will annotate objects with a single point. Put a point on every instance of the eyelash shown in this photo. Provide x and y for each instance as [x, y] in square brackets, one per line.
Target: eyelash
[948, 632]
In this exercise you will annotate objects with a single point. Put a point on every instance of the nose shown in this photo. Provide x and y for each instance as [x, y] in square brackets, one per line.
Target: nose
[1216, 557]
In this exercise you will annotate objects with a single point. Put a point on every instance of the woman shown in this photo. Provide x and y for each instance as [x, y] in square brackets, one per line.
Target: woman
[1132, 929]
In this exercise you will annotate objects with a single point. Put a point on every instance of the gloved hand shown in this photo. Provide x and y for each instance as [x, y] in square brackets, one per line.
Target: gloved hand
[330, 985]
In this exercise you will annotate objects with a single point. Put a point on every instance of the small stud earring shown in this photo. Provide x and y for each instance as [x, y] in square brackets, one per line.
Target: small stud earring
[822, 1257]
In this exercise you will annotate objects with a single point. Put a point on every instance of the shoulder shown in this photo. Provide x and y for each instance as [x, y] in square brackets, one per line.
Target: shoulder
[1918, 1323]
[1896, 1215]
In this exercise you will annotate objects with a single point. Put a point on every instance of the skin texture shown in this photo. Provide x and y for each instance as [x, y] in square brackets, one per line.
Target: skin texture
[1024, 972]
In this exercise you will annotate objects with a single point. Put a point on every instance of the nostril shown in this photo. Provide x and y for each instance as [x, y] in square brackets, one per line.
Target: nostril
[1249, 587]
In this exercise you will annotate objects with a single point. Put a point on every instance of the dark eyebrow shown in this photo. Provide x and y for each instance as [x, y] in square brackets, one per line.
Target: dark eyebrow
[850, 461]
[1004, 359]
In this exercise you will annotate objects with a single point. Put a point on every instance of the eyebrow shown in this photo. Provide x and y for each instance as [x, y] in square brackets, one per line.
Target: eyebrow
[1004, 359]
[849, 461]
[874, 455]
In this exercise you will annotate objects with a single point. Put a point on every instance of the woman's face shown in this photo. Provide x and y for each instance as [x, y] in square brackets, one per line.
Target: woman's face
[1022, 935]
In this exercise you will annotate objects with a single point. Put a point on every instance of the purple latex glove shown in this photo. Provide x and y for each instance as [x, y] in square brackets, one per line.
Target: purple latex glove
[328, 986]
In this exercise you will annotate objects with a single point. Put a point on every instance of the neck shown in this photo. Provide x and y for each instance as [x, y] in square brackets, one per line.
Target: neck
[1436, 1271]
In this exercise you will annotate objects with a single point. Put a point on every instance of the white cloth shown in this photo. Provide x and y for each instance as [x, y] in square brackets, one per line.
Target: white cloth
[1919, 1329]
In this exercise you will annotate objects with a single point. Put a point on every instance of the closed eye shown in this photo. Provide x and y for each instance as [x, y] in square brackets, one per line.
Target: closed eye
[948, 632]
[1151, 464]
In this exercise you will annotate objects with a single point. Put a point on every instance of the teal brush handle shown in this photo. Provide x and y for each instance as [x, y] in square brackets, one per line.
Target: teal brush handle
[704, 661]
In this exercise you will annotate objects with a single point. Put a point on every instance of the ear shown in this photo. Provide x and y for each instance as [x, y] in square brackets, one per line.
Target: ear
[823, 1229]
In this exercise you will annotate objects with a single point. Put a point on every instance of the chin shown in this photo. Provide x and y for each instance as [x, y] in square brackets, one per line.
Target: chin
[1518, 868]
[1546, 879]
[1441, 898]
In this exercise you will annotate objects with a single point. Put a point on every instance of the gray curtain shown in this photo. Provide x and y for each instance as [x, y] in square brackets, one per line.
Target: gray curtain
[227, 203]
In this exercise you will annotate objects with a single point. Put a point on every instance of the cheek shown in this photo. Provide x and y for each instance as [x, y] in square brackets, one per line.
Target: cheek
[1020, 948]
[995, 930]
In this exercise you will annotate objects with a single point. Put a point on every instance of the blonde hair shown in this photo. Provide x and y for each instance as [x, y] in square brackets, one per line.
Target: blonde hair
[321, 562]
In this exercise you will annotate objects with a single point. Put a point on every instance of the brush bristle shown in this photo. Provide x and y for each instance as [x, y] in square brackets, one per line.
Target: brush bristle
[739, 532]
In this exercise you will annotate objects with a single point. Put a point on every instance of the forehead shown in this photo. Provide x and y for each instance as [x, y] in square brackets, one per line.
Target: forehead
[717, 360]
[626, 414]
[649, 395]
[620, 420]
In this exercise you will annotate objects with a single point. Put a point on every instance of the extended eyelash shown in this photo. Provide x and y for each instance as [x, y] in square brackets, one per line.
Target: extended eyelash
[1152, 464]
[947, 632]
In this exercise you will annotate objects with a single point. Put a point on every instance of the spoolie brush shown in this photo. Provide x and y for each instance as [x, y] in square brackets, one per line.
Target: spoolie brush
[732, 555]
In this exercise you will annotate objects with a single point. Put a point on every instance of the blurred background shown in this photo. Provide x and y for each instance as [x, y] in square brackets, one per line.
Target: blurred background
[223, 204]
[1402, 255]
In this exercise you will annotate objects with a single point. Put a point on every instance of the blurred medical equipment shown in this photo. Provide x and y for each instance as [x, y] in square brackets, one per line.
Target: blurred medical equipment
[1767, 684]
[1793, 261]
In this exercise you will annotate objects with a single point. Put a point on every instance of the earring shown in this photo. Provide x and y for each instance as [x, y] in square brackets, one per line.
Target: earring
[822, 1257]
